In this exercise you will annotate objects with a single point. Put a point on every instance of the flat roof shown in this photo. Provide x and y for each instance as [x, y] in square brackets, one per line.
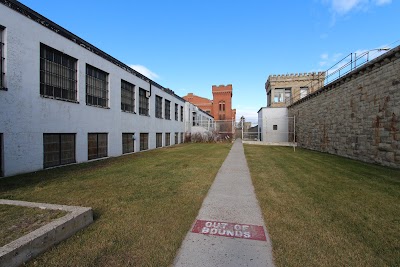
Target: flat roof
[45, 22]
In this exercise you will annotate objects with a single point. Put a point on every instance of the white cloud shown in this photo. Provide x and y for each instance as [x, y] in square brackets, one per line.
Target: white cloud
[249, 113]
[324, 56]
[382, 2]
[342, 7]
[145, 71]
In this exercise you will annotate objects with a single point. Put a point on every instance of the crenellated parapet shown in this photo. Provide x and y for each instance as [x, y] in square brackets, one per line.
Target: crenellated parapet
[297, 76]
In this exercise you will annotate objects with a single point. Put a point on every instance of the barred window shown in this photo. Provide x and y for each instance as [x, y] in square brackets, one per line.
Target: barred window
[158, 139]
[58, 149]
[97, 145]
[143, 102]
[127, 96]
[158, 106]
[144, 141]
[167, 109]
[2, 59]
[128, 142]
[96, 87]
[176, 112]
[176, 138]
[167, 139]
[57, 74]
[181, 113]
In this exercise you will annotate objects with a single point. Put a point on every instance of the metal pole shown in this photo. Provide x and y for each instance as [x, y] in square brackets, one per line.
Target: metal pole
[294, 133]
[351, 62]
[241, 122]
[355, 60]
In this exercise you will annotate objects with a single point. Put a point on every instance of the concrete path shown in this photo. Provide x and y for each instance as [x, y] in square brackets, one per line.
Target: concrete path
[229, 230]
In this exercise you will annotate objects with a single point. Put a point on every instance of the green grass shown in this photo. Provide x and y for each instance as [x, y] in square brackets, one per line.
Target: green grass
[144, 203]
[325, 210]
[16, 221]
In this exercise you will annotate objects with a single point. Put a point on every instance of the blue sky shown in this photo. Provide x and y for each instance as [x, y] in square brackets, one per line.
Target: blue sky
[188, 46]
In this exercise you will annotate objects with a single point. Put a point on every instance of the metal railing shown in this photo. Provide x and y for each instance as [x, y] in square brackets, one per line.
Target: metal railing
[347, 64]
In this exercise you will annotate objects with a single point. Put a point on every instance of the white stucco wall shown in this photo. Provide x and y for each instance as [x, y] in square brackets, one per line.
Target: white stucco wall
[26, 116]
[204, 122]
[267, 118]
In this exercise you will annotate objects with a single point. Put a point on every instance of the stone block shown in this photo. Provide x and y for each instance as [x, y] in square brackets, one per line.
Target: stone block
[385, 147]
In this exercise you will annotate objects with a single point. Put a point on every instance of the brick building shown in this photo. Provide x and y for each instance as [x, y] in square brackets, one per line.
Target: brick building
[220, 108]
[221, 105]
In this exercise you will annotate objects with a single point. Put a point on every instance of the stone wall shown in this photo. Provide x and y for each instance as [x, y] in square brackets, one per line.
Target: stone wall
[356, 116]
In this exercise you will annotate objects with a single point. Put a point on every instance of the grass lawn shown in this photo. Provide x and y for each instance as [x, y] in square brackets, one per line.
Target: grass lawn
[143, 203]
[325, 210]
[16, 221]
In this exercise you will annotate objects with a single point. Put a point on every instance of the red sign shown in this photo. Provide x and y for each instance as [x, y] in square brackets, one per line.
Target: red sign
[234, 230]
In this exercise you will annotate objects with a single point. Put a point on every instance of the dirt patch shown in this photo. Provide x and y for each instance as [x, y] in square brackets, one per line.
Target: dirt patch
[17, 221]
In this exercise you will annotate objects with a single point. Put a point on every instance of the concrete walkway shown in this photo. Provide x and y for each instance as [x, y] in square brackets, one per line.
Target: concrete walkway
[229, 230]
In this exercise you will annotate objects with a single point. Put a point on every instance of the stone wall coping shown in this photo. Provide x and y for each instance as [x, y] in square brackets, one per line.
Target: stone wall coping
[30, 245]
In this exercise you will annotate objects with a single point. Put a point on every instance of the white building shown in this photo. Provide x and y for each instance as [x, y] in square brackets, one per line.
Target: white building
[65, 101]
[273, 125]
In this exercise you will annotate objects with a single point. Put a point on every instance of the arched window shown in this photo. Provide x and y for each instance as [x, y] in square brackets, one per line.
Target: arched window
[222, 106]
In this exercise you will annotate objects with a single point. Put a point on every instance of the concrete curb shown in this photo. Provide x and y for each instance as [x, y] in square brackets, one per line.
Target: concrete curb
[269, 143]
[29, 246]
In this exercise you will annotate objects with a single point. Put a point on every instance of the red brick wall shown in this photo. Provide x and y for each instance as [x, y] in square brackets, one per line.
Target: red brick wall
[222, 95]
[203, 103]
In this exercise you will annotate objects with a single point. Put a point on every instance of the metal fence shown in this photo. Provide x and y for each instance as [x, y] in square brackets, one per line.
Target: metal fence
[220, 127]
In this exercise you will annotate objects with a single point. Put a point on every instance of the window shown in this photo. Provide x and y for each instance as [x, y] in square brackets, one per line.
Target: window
[144, 141]
[1, 155]
[158, 140]
[127, 96]
[288, 94]
[97, 145]
[176, 112]
[143, 102]
[303, 92]
[275, 127]
[2, 60]
[176, 138]
[167, 139]
[279, 95]
[181, 113]
[96, 87]
[57, 74]
[128, 143]
[58, 149]
[182, 140]
[269, 98]
[222, 106]
[167, 109]
[158, 107]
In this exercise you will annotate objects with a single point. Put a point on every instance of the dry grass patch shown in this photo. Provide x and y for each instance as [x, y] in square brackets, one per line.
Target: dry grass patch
[325, 210]
[17, 221]
[143, 203]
